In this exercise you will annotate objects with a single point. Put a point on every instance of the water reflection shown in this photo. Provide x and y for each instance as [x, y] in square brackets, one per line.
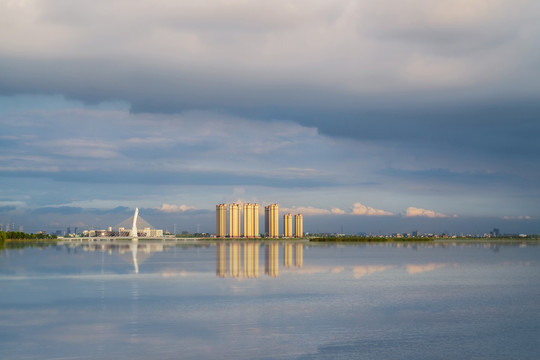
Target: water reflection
[134, 250]
[271, 262]
[251, 260]
[134, 253]
[243, 259]
[345, 302]
[287, 255]
[299, 255]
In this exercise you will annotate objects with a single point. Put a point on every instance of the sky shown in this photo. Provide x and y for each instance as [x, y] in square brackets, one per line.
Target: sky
[366, 116]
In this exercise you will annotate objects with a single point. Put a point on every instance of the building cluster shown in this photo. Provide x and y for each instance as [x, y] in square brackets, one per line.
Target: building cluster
[250, 217]
[123, 232]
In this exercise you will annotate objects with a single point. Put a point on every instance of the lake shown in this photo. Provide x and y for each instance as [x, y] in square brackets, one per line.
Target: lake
[270, 300]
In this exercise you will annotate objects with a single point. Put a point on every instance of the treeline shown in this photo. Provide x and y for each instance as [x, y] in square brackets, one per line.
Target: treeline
[19, 235]
[353, 238]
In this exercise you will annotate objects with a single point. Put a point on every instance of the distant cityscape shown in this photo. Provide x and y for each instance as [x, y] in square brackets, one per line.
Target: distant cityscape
[242, 221]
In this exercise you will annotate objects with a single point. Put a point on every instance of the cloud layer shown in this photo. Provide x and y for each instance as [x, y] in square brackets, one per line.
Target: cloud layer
[313, 104]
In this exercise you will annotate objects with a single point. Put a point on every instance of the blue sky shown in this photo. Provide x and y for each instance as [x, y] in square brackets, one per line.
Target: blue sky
[374, 116]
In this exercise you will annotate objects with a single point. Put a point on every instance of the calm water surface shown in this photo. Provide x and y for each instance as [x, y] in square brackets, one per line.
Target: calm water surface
[270, 301]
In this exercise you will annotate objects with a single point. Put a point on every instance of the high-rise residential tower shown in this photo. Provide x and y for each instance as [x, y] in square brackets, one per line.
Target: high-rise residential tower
[271, 220]
[248, 220]
[287, 225]
[298, 226]
[221, 220]
[234, 220]
[251, 220]
[255, 220]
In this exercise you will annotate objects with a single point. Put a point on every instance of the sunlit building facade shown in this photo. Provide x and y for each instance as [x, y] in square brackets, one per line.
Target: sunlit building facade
[234, 220]
[298, 226]
[255, 220]
[287, 226]
[271, 220]
[248, 220]
[251, 220]
[221, 220]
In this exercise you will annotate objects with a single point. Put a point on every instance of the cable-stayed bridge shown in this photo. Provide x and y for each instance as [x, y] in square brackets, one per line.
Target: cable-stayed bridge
[137, 228]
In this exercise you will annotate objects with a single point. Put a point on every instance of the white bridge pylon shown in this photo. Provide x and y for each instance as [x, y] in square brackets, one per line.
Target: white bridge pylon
[134, 229]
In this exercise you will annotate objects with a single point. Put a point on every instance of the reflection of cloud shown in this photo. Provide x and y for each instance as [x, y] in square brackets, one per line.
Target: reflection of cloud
[361, 271]
[526, 217]
[173, 273]
[416, 269]
[360, 209]
[312, 270]
[337, 270]
[413, 211]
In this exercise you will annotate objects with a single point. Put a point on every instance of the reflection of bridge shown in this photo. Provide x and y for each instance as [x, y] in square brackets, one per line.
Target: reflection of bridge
[250, 266]
[134, 252]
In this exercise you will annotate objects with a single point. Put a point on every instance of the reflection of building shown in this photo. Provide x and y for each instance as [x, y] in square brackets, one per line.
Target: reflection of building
[234, 264]
[271, 260]
[298, 255]
[234, 260]
[251, 260]
[221, 220]
[234, 220]
[298, 226]
[271, 220]
[287, 226]
[221, 260]
[287, 255]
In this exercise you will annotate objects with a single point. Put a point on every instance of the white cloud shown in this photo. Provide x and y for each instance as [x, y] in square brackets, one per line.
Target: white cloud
[337, 211]
[305, 210]
[413, 212]
[360, 209]
[169, 208]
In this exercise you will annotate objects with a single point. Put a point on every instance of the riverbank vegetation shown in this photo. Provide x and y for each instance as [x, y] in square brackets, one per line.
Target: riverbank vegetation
[10, 236]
